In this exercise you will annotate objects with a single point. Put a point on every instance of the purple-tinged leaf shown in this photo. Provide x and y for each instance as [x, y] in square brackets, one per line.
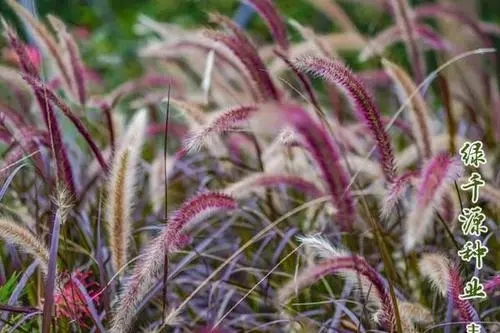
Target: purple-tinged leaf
[59, 150]
[242, 47]
[38, 85]
[465, 309]
[268, 12]
[50, 281]
[326, 154]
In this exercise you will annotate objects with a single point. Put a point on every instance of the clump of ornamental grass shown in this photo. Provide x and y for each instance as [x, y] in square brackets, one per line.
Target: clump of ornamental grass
[259, 139]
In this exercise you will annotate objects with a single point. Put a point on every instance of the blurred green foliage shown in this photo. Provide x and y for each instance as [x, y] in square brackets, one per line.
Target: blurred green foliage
[112, 45]
[113, 42]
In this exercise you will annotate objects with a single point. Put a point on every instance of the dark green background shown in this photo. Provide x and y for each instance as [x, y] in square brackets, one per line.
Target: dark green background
[112, 22]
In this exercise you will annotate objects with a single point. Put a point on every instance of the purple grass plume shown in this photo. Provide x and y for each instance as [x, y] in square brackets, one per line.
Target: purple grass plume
[172, 237]
[435, 178]
[366, 110]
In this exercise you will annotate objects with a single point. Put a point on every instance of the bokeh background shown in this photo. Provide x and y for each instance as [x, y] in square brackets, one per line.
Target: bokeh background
[109, 37]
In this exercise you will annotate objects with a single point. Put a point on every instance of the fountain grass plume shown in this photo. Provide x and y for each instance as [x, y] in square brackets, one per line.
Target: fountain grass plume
[437, 175]
[243, 49]
[172, 237]
[445, 278]
[25, 240]
[366, 110]
[121, 190]
[227, 120]
[396, 191]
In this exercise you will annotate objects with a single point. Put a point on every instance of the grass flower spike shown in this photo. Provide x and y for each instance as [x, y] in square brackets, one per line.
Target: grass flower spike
[366, 110]
[121, 190]
[435, 178]
[172, 237]
[24, 239]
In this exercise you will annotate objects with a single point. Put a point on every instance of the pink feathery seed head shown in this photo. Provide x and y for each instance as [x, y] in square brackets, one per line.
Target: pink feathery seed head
[69, 300]
[464, 307]
[492, 284]
[439, 172]
[326, 154]
[435, 178]
[396, 190]
[269, 13]
[193, 210]
[366, 110]
[224, 121]
[47, 110]
[172, 237]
